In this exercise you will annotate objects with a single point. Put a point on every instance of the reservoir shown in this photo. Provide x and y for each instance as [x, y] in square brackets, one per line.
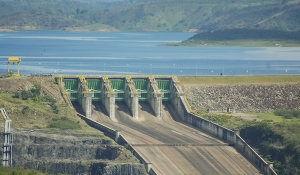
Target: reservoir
[138, 53]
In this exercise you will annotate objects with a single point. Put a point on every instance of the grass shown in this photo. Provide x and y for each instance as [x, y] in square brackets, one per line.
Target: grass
[269, 117]
[40, 115]
[19, 171]
[224, 80]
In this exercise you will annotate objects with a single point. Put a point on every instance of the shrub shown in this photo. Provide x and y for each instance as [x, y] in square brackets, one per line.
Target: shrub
[55, 108]
[296, 113]
[17, 95]
[36, 91]
[279, 112]
[26, 94]
[288, 116]
[25, 110]
[63, 123]
[49, 99]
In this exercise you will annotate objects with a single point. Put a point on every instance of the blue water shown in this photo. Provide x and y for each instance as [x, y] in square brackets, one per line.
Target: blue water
[58, 52]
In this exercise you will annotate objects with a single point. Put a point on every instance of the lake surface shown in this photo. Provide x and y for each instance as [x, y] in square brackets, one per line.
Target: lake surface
[59, 52]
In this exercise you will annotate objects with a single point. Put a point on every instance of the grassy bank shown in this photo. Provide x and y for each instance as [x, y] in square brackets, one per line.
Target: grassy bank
[229, 80]
[30, 109]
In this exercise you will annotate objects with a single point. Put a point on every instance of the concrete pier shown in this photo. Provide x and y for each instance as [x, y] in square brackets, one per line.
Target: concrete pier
[109, 97]
[109, 104]
[110, 89]
[86, 103]
[85, 97]
[132, 97]
[155, 97]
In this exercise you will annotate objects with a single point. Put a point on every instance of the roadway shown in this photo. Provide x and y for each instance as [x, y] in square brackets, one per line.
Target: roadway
[193, 152]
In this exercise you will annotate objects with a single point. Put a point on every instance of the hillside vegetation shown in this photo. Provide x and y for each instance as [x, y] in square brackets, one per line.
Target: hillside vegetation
[244, 37]
[36, 103]
[145, 15]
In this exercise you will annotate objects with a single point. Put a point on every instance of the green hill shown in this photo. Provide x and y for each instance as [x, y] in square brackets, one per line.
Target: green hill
[154, 15]
[244, 37]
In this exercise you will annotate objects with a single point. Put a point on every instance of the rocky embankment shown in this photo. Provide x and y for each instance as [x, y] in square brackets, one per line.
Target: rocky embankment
[244, 98]
[72, 154]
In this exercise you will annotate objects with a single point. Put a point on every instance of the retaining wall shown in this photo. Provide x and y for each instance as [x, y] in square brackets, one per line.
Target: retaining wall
[117, 136]
[222, 133]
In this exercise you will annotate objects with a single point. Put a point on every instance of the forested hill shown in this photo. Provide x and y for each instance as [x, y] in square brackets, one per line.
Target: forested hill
[149, 15]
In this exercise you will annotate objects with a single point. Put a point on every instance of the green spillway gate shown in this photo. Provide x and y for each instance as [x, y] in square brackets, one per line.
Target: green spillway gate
[164, 86]
[71, 86]
[94, 86]
[118, 86]
[141, 86]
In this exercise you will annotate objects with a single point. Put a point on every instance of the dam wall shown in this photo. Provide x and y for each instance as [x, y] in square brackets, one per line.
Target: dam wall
[244, 98]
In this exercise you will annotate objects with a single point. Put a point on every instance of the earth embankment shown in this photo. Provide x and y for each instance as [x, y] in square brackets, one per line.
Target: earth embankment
[244, 97]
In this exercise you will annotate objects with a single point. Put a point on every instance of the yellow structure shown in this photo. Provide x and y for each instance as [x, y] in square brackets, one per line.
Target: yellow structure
[13, 60]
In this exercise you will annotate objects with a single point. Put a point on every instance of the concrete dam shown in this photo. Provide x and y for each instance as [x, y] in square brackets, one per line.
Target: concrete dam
[151, 117]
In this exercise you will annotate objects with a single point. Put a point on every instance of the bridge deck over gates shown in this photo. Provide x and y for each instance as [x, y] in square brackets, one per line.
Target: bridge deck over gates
[110, 89]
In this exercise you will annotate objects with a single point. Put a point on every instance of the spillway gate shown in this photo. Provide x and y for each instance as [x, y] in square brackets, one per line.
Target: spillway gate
[111, 89]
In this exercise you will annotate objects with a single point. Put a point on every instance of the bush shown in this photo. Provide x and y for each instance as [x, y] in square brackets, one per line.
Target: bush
[32, 93]
[49, 99]
[296, 113]
[36, 91]
[63, 123]
[26, 94]
[17, 95]
[25, 110]
[288, 114]
[280, 112]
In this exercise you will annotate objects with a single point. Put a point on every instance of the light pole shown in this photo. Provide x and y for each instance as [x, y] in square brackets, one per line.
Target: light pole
[151, 69]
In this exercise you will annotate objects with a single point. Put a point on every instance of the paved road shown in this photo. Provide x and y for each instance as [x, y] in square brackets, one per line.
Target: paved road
[196, 153]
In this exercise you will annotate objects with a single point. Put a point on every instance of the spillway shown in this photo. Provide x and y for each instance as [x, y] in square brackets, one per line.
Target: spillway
[152, 116]
[173, 147]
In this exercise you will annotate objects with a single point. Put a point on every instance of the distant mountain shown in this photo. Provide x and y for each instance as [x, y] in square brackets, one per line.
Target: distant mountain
[149, 15]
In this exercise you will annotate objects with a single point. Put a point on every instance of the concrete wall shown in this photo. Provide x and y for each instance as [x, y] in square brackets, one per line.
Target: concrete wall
[117, 136]
[222, 133]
